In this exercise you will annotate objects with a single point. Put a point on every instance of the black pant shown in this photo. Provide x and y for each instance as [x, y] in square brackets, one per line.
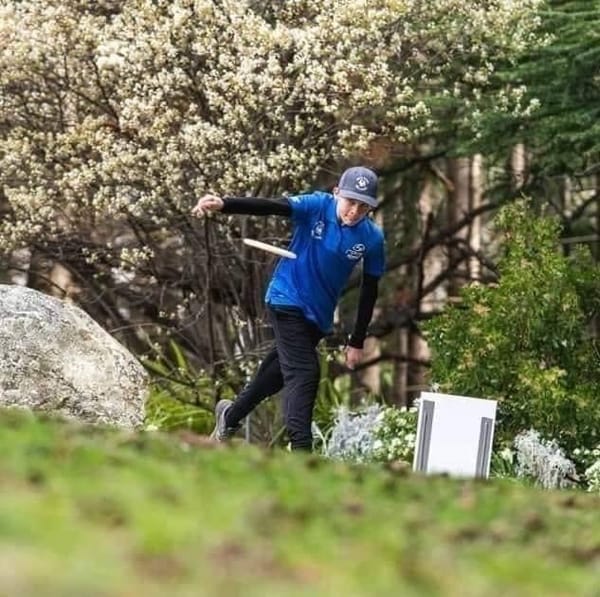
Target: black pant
[292, 364]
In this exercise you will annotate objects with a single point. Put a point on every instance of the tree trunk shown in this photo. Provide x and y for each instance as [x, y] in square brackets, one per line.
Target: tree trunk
[596, 250]
[424, 272]
[518, 166]
[459, 200]
[400, 343]
[416, 381]
[370, 377]
[477, 176]
[465, 195]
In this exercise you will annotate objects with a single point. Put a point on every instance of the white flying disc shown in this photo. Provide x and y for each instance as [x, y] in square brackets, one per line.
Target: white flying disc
[257, 244]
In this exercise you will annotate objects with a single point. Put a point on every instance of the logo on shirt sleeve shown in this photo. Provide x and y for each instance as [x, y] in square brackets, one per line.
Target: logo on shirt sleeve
[356, 252]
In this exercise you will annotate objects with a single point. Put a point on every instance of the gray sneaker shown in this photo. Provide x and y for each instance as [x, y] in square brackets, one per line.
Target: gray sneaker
[221, 432]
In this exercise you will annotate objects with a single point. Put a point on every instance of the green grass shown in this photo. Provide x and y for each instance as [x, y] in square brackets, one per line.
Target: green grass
[96, 512]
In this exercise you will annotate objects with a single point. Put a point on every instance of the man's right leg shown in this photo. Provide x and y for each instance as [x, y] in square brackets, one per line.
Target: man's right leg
[267, 381]
[297, 339]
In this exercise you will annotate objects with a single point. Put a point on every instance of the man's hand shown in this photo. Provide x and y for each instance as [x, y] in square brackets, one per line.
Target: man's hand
[207, 204]
[353, 356]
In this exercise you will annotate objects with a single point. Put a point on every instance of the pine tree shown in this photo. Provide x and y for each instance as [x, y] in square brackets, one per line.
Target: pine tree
[563, 82]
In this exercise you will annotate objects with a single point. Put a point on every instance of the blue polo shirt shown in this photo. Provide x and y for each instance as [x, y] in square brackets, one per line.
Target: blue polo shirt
[327, 252]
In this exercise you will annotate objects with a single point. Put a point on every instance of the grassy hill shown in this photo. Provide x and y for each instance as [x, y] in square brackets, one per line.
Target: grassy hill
[95, 512]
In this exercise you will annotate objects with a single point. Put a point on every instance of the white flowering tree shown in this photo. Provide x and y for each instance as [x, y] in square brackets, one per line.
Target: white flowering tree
[116, 115]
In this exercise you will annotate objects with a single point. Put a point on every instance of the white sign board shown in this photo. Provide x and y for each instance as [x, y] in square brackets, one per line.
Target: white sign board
[454, 435]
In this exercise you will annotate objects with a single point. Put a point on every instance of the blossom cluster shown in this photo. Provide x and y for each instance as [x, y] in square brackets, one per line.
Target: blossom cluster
[396, 435]
[586, 457]
[592, 475]
[131, 109]
[589, 459]
[376, 433]
[543, 461]
[352, 436]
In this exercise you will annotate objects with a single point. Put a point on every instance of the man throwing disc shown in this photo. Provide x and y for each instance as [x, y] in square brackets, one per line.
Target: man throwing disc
[332, 233]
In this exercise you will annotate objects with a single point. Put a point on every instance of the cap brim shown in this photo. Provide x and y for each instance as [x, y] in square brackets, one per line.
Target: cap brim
[359, 197]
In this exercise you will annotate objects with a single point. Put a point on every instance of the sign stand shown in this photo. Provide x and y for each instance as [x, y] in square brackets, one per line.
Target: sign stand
[454, 435]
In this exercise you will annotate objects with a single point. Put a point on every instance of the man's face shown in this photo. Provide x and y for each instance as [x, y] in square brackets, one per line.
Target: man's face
[350, 211]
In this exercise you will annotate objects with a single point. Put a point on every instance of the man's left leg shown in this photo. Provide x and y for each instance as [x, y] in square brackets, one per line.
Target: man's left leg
[229, 415]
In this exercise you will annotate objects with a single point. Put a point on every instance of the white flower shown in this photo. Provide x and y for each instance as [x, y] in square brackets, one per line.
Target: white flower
[507, 454]
[542, 460]
[592, 475]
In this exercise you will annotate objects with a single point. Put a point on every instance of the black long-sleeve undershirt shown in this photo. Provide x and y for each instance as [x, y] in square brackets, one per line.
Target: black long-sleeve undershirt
[366, 304]
[256, 206]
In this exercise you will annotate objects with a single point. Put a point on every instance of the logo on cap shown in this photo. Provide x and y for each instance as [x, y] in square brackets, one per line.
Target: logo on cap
[362, 183]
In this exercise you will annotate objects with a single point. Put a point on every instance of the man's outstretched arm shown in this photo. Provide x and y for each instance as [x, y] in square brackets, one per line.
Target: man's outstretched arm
[255, 206]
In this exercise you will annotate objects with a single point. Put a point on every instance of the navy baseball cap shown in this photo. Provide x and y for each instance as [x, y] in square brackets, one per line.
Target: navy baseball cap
[359, 183]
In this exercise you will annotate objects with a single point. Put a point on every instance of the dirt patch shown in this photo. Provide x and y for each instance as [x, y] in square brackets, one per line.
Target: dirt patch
[159, 566]
[232, 557]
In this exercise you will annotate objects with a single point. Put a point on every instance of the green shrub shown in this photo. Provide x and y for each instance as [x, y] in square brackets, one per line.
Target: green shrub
[592, 474]
[373, 433]
[395, 437]
[166, 412]
[526, 341]
[181, 397]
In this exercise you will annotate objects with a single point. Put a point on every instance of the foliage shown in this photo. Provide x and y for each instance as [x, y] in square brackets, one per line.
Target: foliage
[585, 457]
[543, 461]
[352, 436]
[181, 396]
[164, 412]
[333, 392]
[588, 460]
[503, 463]
[373, 434]
[560, 81]
[526, 341]
[592, 474]
[396, 435]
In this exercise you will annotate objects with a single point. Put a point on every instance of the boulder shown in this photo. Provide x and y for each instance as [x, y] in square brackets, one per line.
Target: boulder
[56, 358]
